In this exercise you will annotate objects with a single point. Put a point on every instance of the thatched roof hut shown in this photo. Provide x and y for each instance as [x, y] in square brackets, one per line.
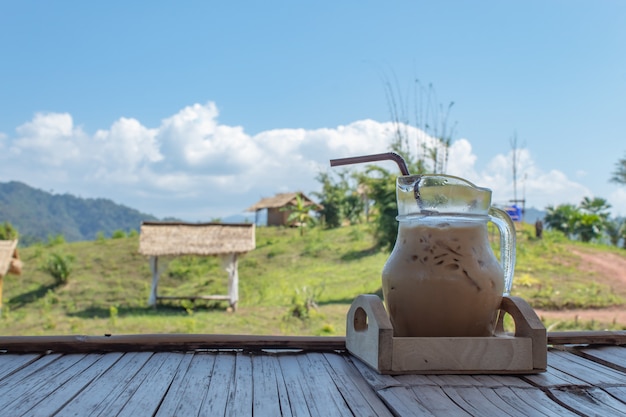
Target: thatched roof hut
[10, 262]
[277, 207]
[226, 240]
[204, 239]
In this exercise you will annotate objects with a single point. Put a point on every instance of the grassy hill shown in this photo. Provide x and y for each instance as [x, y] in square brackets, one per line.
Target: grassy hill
[288, 285]
[38, 215]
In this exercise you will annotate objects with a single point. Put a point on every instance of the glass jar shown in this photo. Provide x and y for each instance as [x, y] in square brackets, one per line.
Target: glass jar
[442, 277]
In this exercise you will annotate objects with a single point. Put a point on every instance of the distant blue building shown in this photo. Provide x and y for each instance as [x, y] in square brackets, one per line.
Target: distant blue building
[515, 212]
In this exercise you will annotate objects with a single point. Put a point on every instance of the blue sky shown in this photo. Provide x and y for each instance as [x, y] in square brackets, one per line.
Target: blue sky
[197, 109]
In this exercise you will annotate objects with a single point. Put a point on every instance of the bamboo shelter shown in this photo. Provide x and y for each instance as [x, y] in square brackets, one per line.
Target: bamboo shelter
[10, 262]
[226, 240]
[278, 207]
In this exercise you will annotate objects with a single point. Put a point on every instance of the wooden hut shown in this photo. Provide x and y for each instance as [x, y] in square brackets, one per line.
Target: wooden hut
[225, 240]
[278, 207]
[10, 262]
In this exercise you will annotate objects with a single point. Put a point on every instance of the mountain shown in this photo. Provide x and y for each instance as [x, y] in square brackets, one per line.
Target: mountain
[247, 218]
[532, 214]
[38, 215]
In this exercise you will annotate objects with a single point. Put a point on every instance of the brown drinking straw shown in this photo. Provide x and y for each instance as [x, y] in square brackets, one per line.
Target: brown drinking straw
[371, 158]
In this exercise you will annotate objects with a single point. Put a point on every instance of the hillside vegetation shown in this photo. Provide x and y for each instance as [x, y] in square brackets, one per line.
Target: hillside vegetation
[290, 284]
[39, 215]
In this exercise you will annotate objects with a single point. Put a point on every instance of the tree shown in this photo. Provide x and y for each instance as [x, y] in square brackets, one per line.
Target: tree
[300, 213]
[594, 219]
[596, 205]
[382, 189]
[616, 230]
[560, 218]
[588, 226]
[339, 198]
[586, 222]
[353, 207]
[619, 175]
[429, 134]
[421, 123]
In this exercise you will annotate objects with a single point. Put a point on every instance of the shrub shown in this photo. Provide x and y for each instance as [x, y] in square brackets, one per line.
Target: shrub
[100, 237]
[7, 231]
[118, 234]
[55, 240]
[59, 267]
[303, 301]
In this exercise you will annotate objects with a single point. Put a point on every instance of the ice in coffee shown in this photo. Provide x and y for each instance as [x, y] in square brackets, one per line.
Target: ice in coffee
[442, 278]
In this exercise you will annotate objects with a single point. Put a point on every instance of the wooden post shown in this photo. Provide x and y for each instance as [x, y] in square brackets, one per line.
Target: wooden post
[229, 263]
[1, 278]
[156, 273]
[13, 265]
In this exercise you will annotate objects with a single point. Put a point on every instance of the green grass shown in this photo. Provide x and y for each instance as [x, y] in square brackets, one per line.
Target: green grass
[108, 288]
[548, 276]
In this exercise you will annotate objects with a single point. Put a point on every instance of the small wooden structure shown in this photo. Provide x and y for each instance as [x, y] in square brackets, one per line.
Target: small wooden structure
[370, 338]
[10, 262]
[278, 207]
[226, 240]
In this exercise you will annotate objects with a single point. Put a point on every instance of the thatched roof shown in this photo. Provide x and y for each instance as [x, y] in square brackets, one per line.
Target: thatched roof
[282, 200]
[168, 238]
[9, 259]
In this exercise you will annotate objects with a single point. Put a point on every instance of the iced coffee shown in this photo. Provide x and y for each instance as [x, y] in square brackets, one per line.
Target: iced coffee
[442, 279]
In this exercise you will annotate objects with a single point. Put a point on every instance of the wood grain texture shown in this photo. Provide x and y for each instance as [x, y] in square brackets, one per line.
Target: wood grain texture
[165, 343]
[579, 381]
[460, 354]
[369, 336]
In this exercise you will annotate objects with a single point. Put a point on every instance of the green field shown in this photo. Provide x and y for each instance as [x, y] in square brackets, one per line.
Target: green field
[290, 284]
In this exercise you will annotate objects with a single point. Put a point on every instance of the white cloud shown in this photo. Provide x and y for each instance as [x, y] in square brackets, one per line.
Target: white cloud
[538, 187]
[193, 139]
[192, 167]
[50, 138]
[461, 159]
[123, 150]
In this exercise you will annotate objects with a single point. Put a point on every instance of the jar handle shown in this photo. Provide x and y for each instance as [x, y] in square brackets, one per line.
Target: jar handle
[507, 244]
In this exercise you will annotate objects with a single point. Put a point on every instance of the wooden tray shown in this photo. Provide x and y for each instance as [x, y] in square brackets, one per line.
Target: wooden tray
[370, 338]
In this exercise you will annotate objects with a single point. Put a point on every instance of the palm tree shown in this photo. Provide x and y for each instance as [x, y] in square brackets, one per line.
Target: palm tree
[300, 213]
[585, 222]
[619, 176]
[596, 205]
[561, 218]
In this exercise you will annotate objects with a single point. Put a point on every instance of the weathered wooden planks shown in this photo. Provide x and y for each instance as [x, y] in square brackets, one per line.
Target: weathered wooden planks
[611, 356]
[105, 390]
[165, 343]
[573, 385]
[579, 380]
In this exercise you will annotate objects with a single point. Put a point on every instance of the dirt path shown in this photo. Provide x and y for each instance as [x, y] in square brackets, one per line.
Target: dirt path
[608, 268]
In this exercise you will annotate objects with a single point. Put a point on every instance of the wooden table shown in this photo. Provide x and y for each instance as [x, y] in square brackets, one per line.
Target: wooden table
[215, 375]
